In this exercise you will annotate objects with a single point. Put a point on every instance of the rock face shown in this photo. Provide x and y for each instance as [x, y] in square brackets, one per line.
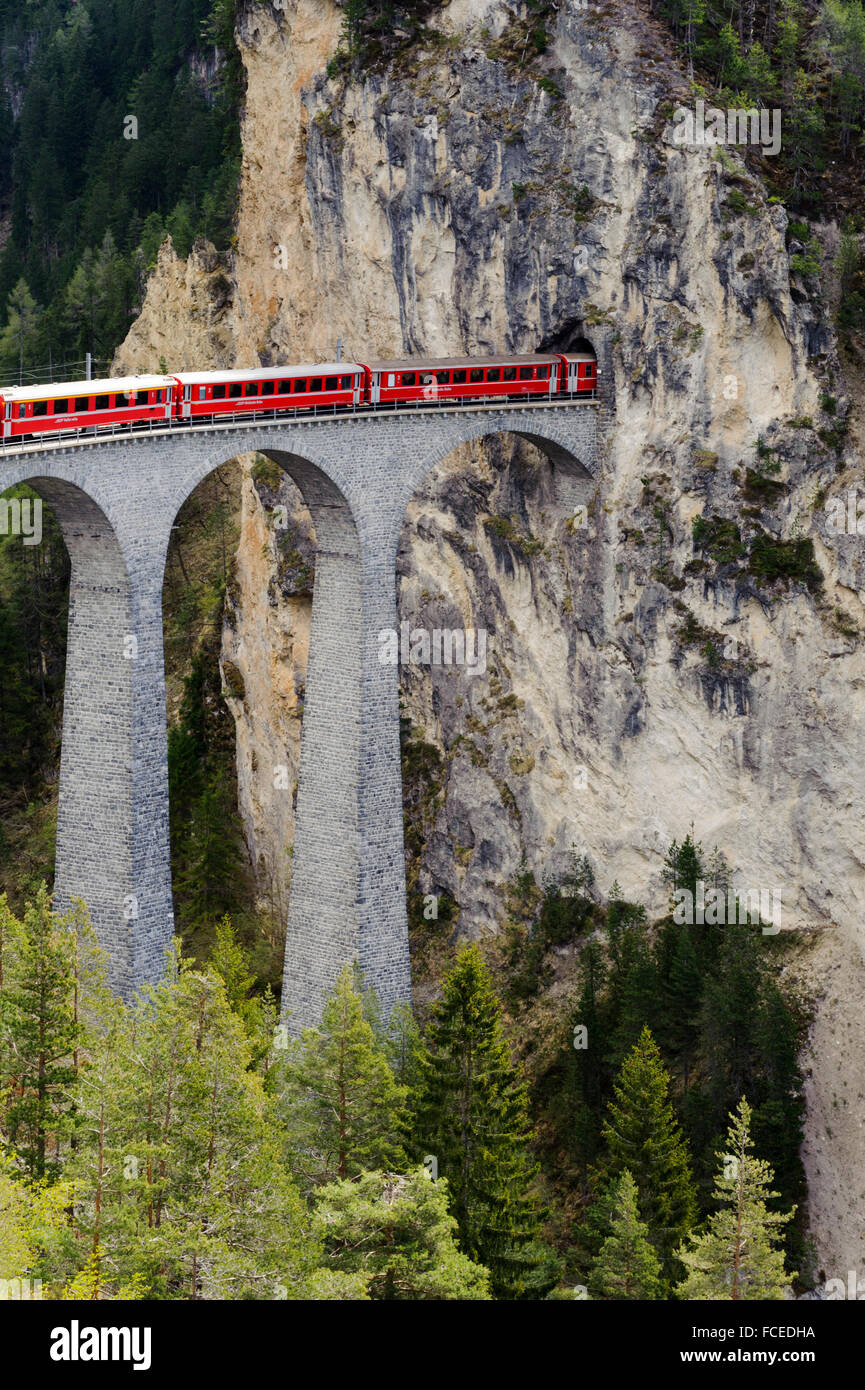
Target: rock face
[634, 684]
[185, 319]
[266, 637]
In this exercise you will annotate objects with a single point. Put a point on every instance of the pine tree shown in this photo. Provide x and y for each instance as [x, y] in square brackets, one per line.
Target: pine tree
[643, 1136]
[737, 1256]
[681, 988]
[627, 1266]
[584, 1068]
[473, 1118]
[22, 323]
[32, 1216]
[683, 865]
[41, 1034]
[344, 1110]
[258, 1014]
[728, 1022]
[230, 961]
[634, 987]
[397, 1232]
[181, 1185]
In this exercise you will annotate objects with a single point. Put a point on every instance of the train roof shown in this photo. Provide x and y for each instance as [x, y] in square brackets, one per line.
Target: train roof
[579, 357]
[432, 364]
[265, 373]
[56, 390]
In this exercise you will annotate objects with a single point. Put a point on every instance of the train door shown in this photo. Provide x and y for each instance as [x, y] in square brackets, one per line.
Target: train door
[357, 382]
[186, 404]
[7, 420]
[375, 388]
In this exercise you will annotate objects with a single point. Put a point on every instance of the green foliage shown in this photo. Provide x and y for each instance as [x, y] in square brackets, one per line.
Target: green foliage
[737, 1256]
[40, 1033]
[541, 919]
[88, 186]
[643, 1136]
[719, 538]
[772, 559]
[627, 1266]
[807, 62]
[633, 980]
[207, 846]
[375, 32]
[472, 1116]
[20, 334]
[181, 1157]
[396, 1233]
[32, 1214]
[34, 582]
[584, 1070]
[344, 1110]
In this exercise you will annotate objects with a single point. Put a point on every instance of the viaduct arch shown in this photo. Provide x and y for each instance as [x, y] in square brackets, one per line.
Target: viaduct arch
[115, 500]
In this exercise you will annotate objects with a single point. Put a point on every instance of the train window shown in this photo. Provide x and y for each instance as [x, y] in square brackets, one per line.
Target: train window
[494, 374]
[40, 407]
[142, 397]
[61, 407]
[443, 378]
[235, 390]
[391, 379]
[509, 374]
[219, 392]
[408, 379]
[526, 373]
[315, 383]
[345, 383]
[331, 383]
[102, 403]
[476, 374]
[252, 389]
[299, 384]
[459, 378]
[426, 378]
[267, 388]
[82, 402]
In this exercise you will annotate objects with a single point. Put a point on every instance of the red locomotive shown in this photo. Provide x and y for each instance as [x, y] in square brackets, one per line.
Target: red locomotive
[138, 402]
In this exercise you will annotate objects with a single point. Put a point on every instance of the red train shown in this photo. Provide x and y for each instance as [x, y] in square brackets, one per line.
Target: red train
[135, 402]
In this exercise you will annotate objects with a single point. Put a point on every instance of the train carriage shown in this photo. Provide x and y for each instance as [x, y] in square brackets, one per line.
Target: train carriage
[64, 406]
[137, 402]
[579, 373]
[264, 389]
[462, 378]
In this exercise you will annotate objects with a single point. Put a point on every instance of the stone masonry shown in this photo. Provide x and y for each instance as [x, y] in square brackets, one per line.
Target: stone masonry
[115, 500]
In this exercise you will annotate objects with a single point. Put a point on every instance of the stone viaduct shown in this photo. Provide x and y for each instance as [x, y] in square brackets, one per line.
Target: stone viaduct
[116, 499]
